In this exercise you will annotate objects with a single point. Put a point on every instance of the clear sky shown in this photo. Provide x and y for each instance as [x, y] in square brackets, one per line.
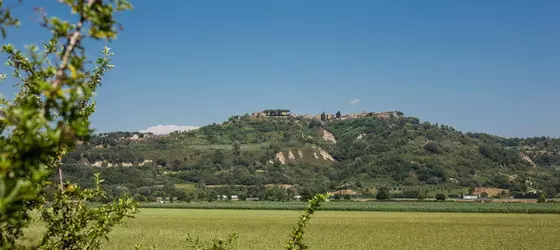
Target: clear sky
[484, 66]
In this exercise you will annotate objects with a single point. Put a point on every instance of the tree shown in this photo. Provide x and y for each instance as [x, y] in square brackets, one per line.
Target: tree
[421, 196]
[411, 179]
[170, 191]
[315, 124]
[218, 157]
[42, 123]
[551, 192]
[431, 147]
[323, 116]
[440, 197]
[383, 194]
[236, 148]
[347, 197]
[484, 195]
[242, 197]
[542, 199]
[338, 115]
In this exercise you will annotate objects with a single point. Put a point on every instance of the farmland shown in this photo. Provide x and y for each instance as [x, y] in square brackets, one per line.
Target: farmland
[462, 207]
[165, 228]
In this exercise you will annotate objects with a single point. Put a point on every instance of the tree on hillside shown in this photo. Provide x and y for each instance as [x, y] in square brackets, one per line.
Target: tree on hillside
[411, 179]
[323, 116]
[431, 147]
[236, 148]
[338, 115]
[315, 124]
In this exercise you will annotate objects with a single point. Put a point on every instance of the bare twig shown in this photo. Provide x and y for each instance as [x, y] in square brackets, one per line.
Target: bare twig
[71, 44]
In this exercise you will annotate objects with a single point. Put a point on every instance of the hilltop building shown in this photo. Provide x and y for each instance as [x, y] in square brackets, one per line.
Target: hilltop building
[272, 113]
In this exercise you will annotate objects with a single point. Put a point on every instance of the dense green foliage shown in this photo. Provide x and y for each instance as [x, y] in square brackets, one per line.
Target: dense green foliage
[42, 122]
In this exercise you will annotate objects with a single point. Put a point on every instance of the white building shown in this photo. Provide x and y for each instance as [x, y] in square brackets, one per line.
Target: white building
[470, 197]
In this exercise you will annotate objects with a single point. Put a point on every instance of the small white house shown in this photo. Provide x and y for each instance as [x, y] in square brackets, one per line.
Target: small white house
[470, 197]
[234, 198]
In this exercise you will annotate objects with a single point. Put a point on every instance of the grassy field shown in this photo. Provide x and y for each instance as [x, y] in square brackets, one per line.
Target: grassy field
[228, 146]
[189, 187]
[457, 207]
[262, 229]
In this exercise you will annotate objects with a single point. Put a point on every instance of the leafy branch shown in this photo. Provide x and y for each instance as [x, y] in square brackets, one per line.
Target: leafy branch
[296, 238]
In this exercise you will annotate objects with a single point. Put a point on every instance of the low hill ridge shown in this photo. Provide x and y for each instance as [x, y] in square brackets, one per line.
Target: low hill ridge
[323, 153]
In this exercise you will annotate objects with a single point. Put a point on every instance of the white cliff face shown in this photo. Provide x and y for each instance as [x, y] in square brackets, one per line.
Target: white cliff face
[144, 162]
[328, 136]
[280, 157]
[528, 159]
[291, 155]
[326, 155]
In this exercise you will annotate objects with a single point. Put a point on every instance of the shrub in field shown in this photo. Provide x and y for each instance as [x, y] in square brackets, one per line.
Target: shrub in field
[383, 194]
[217, 244]
[542, 199]
[440, 197]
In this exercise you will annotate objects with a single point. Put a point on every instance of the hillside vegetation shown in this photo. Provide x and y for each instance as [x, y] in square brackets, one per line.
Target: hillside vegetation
[278, 157]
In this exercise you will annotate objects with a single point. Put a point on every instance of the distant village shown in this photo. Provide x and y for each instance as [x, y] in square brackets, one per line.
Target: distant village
[327, 117]
[139, 136]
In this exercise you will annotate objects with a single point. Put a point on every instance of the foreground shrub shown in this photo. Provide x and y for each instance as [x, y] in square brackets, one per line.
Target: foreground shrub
[43, 122]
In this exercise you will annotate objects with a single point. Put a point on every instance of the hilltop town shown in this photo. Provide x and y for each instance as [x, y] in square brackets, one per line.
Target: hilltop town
[327, 117]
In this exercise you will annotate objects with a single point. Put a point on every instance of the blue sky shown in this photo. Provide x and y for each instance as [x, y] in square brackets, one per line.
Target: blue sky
[484, 66]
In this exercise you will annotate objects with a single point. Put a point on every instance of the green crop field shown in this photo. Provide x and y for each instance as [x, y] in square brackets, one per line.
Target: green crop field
[457, 207]
[260, 229]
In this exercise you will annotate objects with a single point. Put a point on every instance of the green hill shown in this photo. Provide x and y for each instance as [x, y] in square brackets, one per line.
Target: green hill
[359, 152]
